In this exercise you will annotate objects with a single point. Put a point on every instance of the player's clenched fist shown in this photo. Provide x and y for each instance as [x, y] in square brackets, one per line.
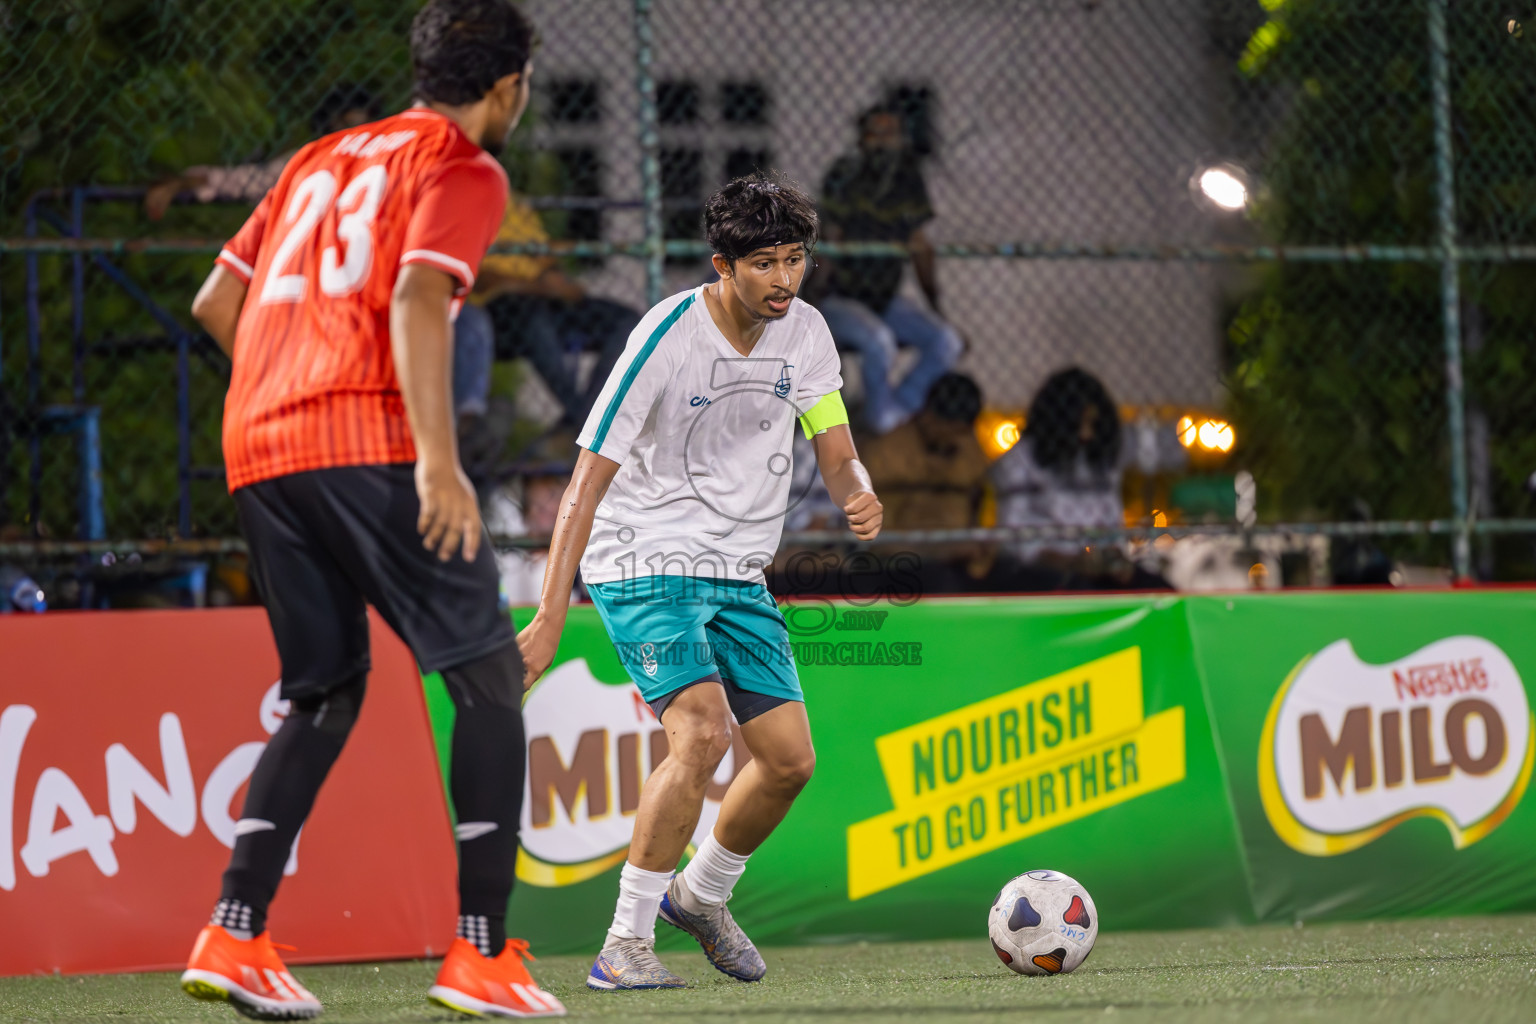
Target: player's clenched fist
[537, 643]
[450, 512]
[865, 514]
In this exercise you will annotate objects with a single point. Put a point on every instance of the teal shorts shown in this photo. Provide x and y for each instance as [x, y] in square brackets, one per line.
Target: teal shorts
[672, 631]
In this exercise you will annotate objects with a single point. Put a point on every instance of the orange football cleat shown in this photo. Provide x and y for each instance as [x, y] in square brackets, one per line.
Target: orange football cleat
[483, 987]
[248, 974]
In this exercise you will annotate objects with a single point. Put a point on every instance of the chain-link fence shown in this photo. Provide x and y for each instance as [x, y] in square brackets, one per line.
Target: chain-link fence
[1289, 243]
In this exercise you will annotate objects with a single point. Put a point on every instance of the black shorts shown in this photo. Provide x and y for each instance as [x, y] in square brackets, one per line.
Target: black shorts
[325, 542]
[745, 704]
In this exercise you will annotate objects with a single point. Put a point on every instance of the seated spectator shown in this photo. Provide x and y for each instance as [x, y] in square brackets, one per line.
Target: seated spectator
[527, 306]
[878, 195]
[1065, 471]
[529, 510]
[930, 473]
[344, 106]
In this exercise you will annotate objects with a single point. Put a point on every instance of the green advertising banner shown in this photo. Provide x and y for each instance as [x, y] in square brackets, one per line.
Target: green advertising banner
[1193, 761]
[1377, 748]
[959, 743]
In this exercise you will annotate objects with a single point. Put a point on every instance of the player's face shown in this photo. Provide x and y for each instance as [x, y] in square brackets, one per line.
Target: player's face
[507, 111]
[769, 278]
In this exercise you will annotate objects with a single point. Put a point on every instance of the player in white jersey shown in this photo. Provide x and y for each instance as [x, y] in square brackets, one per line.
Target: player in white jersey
[675, 507]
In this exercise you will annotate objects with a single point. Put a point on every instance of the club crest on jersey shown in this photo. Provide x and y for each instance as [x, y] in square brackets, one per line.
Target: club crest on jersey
[648, 658]
[781, 386]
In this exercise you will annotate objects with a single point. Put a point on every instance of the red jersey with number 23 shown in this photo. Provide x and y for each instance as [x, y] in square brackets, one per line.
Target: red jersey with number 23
[314, 383]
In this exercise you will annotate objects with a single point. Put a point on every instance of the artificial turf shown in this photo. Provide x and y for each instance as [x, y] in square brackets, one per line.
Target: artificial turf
[1480, 969]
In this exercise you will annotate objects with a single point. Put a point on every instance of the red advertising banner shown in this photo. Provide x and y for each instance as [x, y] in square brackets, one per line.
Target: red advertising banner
[126, 739]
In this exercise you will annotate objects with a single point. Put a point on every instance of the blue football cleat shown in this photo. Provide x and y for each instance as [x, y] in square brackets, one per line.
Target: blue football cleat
[724, 943]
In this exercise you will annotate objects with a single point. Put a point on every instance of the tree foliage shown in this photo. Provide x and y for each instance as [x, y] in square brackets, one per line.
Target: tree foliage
[1338, 379]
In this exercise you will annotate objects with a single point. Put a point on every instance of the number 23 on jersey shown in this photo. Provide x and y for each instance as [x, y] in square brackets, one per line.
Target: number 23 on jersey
[344, 266]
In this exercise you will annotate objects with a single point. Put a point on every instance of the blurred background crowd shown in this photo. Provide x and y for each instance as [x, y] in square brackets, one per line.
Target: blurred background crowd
[1197, 294]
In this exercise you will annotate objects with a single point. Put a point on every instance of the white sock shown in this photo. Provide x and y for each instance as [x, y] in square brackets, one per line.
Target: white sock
[712, 874]
[640, 893]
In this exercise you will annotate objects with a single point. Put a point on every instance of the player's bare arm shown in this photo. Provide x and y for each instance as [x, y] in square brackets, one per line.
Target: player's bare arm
[421, 341]
[573, 527]
[217, 307]
[848, 481]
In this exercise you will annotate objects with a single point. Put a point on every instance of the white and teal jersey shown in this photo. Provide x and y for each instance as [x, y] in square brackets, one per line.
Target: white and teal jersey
[703, 439]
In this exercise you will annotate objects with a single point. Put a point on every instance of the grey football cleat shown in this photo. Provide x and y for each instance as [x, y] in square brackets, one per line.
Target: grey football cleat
[631, 964]
[725, 944]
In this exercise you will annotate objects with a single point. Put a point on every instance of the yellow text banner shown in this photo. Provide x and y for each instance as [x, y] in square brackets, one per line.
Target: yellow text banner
[919, 838]
[1013, 732]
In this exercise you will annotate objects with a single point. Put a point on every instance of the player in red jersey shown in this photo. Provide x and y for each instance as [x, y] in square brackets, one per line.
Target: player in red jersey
[335, 302]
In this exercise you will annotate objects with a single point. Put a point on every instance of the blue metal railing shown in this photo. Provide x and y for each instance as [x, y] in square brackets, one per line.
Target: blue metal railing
[80, 418]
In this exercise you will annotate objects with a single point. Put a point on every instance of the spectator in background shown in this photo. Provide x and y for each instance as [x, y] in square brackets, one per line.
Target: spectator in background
[1065, 471]
[530, 513]
[932, 466]
[345, 105]
[930, 472]
[935, 472]
[528, 306]
[878, 195]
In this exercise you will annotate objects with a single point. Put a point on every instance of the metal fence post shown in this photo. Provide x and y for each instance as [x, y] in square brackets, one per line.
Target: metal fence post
[650, 158]
[77, 292]
[1450, 285]
[34, 381]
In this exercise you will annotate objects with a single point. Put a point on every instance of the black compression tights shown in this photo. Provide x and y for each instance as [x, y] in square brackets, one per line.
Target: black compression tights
[283, 787]
[486, 783]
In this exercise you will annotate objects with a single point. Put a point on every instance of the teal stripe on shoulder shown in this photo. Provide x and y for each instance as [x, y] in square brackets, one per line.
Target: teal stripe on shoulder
[633, 371]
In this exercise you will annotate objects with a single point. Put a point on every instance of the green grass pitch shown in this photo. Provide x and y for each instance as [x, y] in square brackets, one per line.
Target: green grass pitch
[1479, 969]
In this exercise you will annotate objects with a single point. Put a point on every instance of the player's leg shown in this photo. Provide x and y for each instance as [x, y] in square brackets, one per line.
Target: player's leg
[938, 346]
[697, 720]
[485, 781]
[657, 627]
[751, 645]
[484, 973]
[856, 327]
[783, 760]
[320, 625]
[447, 613]
[698, 725]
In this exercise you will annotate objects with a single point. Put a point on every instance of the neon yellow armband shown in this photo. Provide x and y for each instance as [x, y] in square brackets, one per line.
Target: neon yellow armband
[826, 413]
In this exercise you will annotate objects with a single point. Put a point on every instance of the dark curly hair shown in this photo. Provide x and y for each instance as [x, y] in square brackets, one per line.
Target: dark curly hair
[1055, 422]
[758, 211]
[460, 48]
[954, 397]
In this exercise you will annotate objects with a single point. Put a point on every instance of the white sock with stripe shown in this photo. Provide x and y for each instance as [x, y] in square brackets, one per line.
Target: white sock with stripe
[710, 876]
[640, 893]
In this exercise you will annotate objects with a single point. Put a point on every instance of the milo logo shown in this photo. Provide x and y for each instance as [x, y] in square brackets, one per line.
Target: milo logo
[1352, 750]
[591, 746]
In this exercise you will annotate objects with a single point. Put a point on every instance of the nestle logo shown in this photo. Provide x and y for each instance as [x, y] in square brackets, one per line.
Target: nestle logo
[1351, 750]
[1442, 679]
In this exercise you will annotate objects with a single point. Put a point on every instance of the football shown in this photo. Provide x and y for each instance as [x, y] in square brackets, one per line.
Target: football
[1043, 922]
